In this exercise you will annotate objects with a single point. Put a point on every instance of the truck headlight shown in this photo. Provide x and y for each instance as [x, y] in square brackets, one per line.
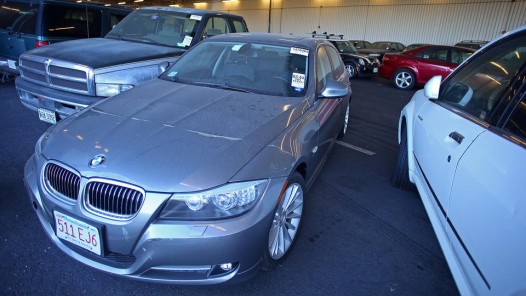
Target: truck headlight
[108, 90]
[229, 200]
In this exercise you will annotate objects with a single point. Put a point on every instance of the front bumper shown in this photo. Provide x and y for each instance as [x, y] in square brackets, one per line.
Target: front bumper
[368, 70]
[160, 250]
[6, 66]
[35, 96]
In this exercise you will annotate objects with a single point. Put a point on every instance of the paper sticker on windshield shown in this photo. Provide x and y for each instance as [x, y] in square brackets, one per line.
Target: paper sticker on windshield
[298, 80]
[300, 51]
[187, 40]
[196, 17]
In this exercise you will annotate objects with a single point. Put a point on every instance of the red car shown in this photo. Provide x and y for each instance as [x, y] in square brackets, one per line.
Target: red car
[417, 66]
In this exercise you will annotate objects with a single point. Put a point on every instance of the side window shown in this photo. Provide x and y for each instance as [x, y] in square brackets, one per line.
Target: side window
[437, 54]
[239, 26]
[459, 56]
[336, 61]
[477, 87]
[323, 69]
[71, 22]
[19, 17]
[517, 122]
[215, 26]
[27, 22]
[115, 18]
[94, 23]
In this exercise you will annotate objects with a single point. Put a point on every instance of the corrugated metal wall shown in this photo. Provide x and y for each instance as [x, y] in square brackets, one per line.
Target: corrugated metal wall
[407, 21]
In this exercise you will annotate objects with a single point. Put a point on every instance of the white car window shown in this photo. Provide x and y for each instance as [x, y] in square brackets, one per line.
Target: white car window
[476, 88]
[517, 122]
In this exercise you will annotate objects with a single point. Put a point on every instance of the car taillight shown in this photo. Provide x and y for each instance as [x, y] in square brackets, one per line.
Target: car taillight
[40, 43]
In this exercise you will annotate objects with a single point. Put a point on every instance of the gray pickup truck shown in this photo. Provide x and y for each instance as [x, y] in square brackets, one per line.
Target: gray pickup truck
[59, 79]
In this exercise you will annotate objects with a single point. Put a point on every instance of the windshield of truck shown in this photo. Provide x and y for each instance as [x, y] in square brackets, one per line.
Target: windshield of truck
[248, 67]
[157, 27]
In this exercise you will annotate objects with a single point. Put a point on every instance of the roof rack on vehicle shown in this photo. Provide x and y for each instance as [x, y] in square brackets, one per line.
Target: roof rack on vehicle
[326, 35]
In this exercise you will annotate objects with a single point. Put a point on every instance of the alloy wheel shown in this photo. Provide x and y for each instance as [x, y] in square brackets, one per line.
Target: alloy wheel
[286, 221]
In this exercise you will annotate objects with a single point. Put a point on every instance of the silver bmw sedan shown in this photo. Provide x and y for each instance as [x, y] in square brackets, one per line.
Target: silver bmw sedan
[197, 177]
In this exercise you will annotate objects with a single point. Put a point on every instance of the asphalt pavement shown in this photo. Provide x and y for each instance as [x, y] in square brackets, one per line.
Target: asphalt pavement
[360, 236]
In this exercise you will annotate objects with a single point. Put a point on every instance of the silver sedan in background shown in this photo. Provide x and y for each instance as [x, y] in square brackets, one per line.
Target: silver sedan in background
[199, 176]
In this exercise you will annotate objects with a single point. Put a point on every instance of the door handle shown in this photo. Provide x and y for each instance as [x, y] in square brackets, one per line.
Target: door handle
[457, 137]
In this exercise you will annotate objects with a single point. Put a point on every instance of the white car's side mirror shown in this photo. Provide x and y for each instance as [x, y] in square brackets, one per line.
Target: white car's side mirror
[432, 87]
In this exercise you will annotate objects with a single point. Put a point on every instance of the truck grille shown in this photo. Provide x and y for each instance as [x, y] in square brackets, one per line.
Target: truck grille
[113, 199]
[57, 74]
[62, 181]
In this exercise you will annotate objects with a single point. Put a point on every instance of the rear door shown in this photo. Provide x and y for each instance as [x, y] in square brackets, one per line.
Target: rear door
[433, 61]
[488, 204]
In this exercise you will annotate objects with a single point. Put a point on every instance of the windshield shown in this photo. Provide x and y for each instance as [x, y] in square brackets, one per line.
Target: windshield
[380, 45]
[344, 46]
[256, 68]
[157, 27]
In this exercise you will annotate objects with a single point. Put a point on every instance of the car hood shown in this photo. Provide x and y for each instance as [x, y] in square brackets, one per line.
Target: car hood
[104, 52]
[171, 137]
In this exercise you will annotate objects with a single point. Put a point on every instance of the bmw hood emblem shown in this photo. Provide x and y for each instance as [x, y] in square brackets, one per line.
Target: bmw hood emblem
[97, 160]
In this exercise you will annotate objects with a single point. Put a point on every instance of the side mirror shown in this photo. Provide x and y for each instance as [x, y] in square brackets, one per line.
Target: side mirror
[163, 66]
[334, 90]
[432, 87]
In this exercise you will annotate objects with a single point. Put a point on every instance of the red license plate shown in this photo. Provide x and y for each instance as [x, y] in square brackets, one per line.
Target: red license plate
[78, 232]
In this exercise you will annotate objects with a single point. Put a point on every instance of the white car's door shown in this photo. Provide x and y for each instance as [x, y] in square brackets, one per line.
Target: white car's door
[480, 188]
[439, 140]
[488, 209]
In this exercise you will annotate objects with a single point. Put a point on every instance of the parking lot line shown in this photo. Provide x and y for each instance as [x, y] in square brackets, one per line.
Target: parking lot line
[365, 151]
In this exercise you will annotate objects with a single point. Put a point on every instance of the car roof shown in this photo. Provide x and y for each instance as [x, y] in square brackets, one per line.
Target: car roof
[271, 38]
[421, 48]
[473, 41]
[192, 11]
[75, 3]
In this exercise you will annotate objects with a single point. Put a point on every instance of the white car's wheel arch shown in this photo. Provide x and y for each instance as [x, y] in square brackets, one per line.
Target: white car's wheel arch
[406, 121]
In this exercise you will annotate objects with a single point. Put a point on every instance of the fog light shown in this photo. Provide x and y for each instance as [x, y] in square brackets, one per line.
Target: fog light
[224, 269]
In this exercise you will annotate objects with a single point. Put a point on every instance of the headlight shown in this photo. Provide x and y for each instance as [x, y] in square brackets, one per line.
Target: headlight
[225, 201]
[108, 90]
[362, 62]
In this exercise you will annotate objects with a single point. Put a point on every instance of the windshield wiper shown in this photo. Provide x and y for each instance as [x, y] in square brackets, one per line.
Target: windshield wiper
[114, 36]
[224, 85]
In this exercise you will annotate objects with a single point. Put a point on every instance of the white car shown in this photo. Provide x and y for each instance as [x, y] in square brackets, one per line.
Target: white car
[463, 144]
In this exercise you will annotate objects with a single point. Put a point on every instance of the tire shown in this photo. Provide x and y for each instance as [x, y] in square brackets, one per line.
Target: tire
[285, 226]
[404, 79]
[343, 131]
[400, 175]
[351, 70]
